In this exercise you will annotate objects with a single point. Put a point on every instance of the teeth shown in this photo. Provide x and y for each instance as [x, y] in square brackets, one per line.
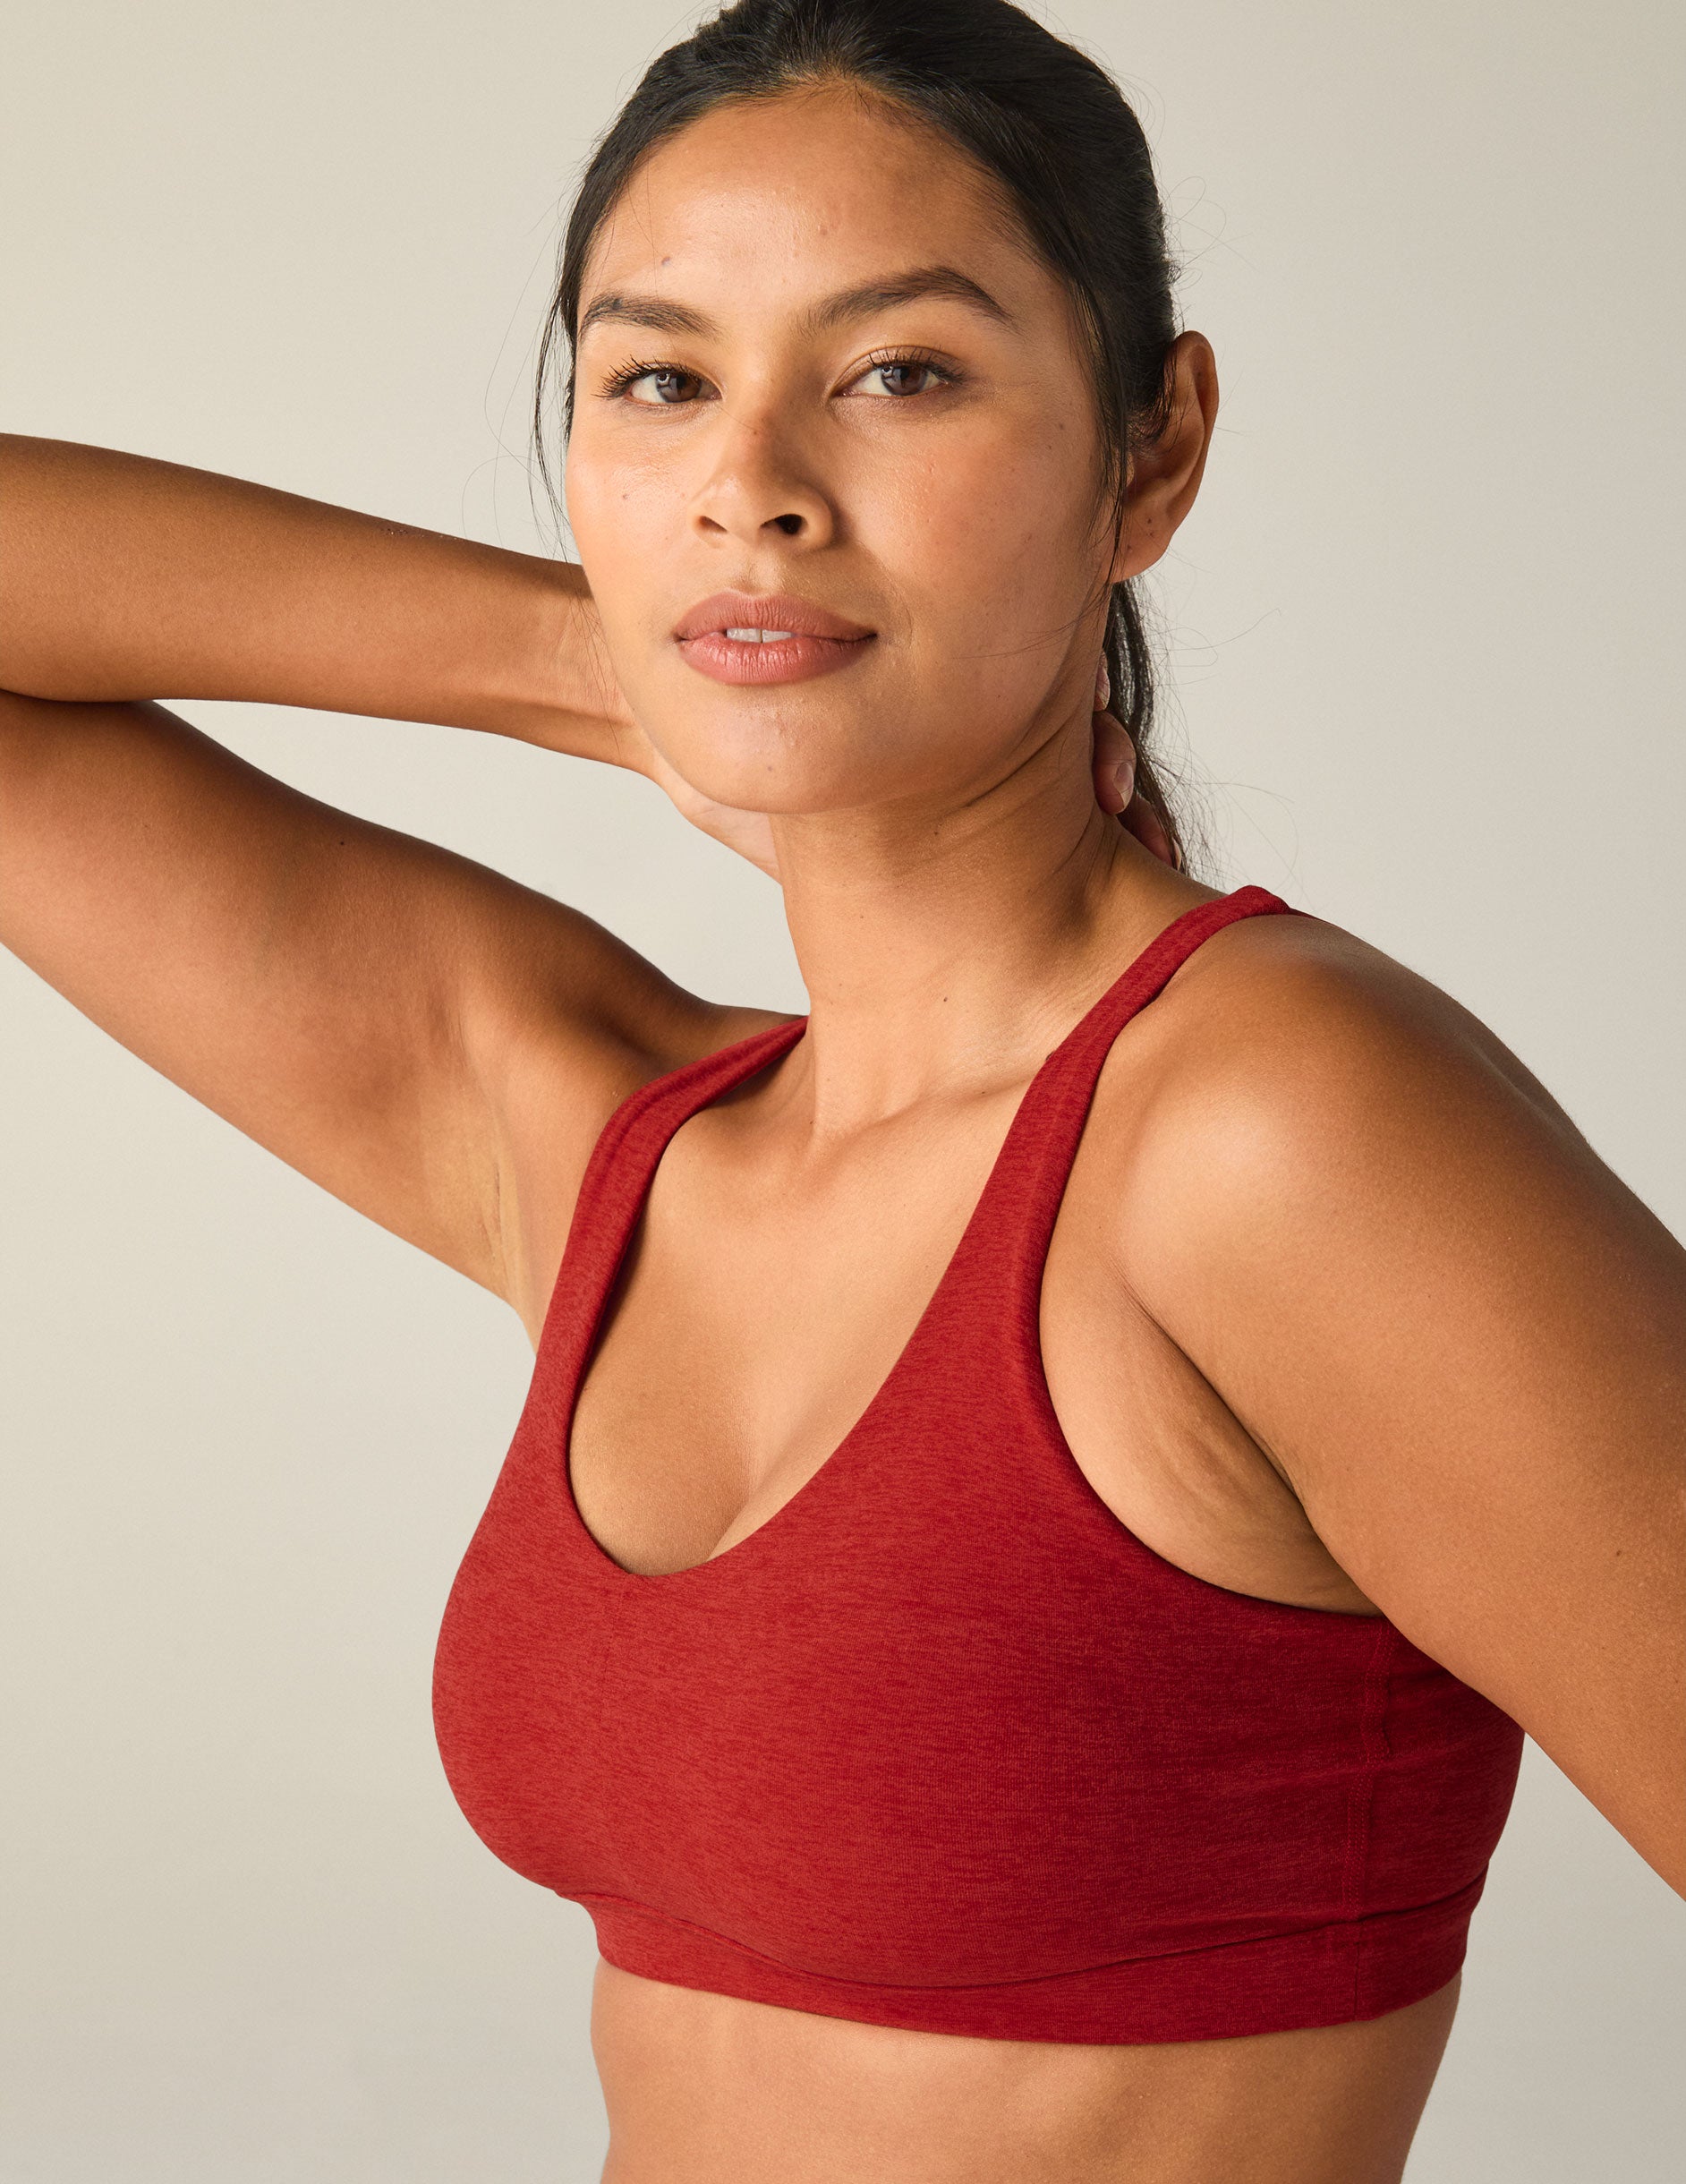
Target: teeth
[757, 636]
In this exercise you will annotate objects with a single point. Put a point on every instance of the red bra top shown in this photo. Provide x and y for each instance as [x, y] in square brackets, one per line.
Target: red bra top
[942, 1745]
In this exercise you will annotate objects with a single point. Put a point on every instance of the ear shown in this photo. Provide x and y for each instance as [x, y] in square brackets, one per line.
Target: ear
[1165, 477]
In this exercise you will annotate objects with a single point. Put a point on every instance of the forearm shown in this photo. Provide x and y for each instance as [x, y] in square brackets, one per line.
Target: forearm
[125, 578]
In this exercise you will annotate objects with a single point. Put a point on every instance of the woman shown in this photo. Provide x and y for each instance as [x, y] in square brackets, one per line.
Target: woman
[1049, 1484]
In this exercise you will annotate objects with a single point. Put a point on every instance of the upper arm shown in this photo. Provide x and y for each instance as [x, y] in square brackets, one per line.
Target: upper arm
[1461, 1338]
[369, 1006]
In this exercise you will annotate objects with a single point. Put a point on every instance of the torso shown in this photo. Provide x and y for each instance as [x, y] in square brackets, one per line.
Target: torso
[705, 2089]
[767, 1296]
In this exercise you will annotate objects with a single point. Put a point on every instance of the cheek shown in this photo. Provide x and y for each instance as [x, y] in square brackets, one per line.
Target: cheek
[616, 514]
[986, 540]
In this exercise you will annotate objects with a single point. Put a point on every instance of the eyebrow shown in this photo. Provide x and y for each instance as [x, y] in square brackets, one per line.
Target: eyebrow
[831, 312]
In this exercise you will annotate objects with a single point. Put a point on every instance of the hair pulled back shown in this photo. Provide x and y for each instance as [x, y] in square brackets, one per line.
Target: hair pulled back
[1050, 129]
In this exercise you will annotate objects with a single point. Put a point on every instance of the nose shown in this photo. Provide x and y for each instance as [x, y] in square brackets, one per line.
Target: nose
[758, 488]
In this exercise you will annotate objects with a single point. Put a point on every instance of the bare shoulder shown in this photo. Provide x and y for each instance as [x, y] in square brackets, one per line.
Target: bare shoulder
[1299, 1093]
[1295, 1022]
[1290, 1062]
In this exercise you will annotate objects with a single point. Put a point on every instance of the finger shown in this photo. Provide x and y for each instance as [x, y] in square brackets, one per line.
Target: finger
[1114, 763]
[751, 835]
[748, 833]
[1144, 823]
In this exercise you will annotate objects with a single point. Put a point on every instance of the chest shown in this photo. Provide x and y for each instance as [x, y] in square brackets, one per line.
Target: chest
[767, 1297]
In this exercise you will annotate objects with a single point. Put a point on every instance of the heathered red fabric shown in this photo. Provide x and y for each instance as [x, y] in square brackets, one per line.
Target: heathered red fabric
[943, 1745]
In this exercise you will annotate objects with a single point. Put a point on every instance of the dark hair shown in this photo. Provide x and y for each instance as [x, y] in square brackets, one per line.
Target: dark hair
[1048, 127]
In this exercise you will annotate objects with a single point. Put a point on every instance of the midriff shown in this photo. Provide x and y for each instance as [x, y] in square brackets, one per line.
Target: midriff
[703, 2088]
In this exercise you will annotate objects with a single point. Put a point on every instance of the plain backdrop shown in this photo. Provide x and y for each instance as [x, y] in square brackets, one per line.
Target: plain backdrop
[1424, 626]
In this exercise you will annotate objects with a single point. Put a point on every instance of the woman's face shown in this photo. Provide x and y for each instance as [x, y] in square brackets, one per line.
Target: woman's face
[817, 360]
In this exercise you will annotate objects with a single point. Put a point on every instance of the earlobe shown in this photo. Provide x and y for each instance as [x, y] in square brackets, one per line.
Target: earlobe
[1134, 549]
[1127, 561]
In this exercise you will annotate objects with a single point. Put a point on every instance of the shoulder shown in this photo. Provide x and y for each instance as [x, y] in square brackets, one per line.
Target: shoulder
[1290, 1068]
[1388, 1250]
[1324, 1179]
[1295, 1013]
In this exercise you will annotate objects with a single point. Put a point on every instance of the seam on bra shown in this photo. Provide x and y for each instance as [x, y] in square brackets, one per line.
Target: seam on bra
[1361, 1798]
[587, 1897]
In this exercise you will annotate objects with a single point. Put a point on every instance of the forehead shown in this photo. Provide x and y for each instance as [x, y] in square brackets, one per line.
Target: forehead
[761, 204]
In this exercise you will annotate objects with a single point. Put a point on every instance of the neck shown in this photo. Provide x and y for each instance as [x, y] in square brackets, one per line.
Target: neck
[946, 949]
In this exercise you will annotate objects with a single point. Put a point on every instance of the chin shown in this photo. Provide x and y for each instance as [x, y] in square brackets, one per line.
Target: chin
[786, 768]
[782, 787]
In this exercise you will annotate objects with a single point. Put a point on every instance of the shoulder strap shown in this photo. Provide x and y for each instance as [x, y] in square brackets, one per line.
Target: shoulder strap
[1022, 1201]
[1078, 1059]
[623, 1161]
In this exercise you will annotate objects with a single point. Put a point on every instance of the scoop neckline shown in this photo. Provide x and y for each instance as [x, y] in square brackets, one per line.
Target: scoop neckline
[760, 1051]
[754, 1064]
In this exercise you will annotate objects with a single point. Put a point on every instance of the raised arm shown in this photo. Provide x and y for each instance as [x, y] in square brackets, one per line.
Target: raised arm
[413, 1031]
[126, 578]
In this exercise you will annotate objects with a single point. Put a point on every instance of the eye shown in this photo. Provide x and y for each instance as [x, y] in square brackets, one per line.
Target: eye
[671, 386]
[908, 372]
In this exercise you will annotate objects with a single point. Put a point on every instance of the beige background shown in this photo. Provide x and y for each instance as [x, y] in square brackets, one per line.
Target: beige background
[1425, 622]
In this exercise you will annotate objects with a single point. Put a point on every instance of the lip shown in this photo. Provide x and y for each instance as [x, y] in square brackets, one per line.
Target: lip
[819, 641]
[804, 617]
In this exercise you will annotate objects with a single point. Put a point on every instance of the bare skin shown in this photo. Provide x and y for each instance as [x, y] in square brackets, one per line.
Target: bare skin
[1339, 1308]
[1334, 2107]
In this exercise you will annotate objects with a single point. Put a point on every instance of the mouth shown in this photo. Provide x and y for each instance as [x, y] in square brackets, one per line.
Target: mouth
[770, 637]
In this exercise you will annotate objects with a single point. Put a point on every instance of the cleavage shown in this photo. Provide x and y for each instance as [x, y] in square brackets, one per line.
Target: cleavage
[763, 1301]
